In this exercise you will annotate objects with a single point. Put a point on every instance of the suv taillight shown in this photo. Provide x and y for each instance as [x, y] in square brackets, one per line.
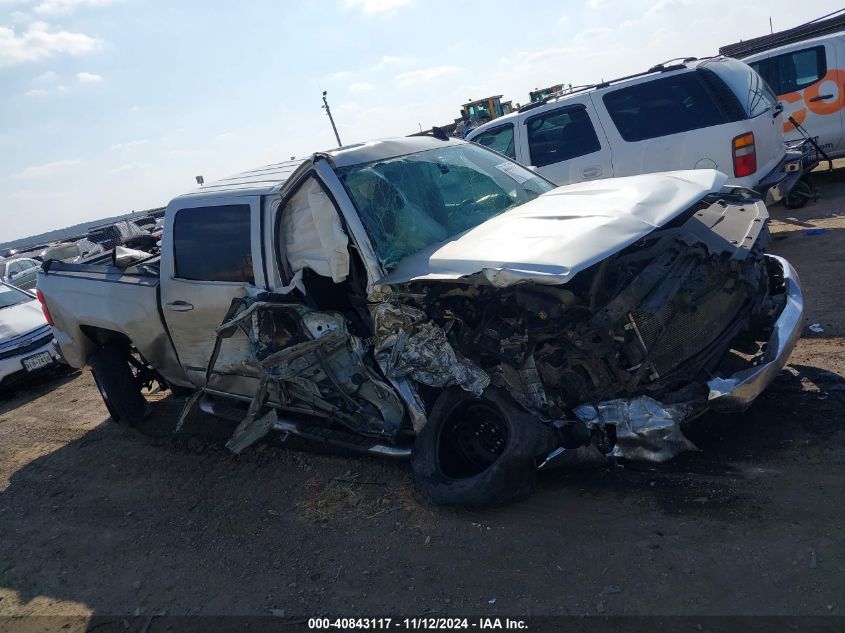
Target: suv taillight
[745, 155]
[44, 308]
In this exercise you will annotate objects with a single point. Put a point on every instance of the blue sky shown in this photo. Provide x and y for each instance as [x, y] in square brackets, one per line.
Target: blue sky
[112, 105]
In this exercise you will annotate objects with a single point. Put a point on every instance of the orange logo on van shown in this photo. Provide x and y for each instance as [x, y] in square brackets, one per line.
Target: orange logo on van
[819, 106]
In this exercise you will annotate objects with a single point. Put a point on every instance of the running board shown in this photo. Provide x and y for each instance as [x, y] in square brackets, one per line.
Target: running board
[349, 441]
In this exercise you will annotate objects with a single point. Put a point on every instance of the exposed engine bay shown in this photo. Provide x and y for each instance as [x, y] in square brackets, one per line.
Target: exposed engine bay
[615, 359]
[647, 321]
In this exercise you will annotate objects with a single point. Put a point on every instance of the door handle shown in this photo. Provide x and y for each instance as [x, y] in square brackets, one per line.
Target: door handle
[591, 172]
[822, 98]
[179, 306]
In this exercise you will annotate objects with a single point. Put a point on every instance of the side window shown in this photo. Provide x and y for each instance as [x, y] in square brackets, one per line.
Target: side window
[801, 69]
[560, 135]
[764, 69]
[670, 105]
[213, 243]
[499, 139]
[793, 71]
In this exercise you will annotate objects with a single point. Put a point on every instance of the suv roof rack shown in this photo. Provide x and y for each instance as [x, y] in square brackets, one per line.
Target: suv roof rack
[825, 24]
[668, 65]
[661, 68]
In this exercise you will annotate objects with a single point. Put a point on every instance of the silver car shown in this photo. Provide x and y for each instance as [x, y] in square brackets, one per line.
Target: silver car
[20, 272]
[26, 339]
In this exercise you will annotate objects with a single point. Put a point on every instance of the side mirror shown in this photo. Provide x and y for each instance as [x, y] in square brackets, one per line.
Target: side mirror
[12, 275]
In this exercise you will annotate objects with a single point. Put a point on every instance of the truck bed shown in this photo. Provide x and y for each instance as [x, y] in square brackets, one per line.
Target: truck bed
[95, 299]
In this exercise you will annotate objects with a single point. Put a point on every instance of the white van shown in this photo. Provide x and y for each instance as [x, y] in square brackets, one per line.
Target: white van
[714, 113]
[805, 67]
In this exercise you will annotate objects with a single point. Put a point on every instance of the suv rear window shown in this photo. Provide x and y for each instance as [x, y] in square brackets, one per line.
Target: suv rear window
[213, 243]
[669, 105]
[734, 82]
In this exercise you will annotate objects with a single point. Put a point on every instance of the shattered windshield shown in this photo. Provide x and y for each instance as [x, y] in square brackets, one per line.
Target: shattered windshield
[410, 202]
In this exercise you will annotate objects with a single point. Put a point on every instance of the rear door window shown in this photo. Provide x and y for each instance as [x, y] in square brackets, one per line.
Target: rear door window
[665, 106]
[794, 70]
[213, 244]
[745, 86]
[499, 139]
[561, 134]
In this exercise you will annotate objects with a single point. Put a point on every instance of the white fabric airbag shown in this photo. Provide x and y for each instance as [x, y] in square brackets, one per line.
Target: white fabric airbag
[313, 235]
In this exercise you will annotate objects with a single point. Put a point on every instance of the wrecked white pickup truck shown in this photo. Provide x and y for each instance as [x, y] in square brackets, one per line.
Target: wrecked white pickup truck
[428, 298]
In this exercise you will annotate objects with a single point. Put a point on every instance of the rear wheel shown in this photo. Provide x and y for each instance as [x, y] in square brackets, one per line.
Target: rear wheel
[477, 451]
[118, 385]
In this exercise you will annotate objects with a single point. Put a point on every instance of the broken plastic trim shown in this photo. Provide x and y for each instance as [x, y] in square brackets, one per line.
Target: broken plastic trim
[646, 430]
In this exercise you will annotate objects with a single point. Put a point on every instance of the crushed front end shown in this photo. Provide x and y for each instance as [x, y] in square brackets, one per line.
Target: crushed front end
[620, 357]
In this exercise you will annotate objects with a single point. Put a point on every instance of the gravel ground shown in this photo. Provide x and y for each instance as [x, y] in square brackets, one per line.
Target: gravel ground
[97, 519]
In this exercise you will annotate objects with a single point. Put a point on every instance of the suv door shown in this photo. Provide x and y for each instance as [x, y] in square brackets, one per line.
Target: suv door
[500, 139]
[211, 261]
[564, 144]
[810, 82]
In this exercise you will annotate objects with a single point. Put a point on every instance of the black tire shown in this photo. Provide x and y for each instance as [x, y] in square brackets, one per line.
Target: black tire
[800, 194]
[478, 451]
[118, 386]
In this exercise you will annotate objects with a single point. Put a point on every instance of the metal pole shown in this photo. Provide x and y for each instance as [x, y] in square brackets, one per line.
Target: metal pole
[329, 112]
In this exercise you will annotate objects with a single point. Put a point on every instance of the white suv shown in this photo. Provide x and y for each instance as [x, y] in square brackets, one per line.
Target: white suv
[715, 113]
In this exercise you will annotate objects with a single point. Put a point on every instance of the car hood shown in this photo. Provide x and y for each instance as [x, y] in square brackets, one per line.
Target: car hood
[20, 319]
[562, 232]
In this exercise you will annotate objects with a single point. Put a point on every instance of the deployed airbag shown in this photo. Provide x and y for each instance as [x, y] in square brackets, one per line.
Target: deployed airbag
[313, 235]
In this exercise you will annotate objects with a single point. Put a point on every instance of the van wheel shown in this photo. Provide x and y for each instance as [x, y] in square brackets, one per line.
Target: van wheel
[118, 385]
[478, 451]
[801, 193]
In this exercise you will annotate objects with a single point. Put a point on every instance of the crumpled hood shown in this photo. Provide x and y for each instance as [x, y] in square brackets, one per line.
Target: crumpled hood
[20, 319]
[562, 232]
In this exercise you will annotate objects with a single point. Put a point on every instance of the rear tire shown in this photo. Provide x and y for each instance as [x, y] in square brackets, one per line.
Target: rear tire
[478, 451]
[118, 386]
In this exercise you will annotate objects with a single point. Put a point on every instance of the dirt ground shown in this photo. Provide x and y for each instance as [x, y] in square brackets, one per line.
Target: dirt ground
[98, 519]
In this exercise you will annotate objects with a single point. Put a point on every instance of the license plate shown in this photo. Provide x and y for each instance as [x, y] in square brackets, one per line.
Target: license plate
[39, 361]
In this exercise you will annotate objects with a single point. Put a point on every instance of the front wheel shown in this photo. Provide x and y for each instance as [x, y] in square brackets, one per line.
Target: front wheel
[120, 389]
[478, 451]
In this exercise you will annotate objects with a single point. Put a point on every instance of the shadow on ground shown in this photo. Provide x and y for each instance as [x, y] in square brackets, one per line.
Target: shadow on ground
[125, 521]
